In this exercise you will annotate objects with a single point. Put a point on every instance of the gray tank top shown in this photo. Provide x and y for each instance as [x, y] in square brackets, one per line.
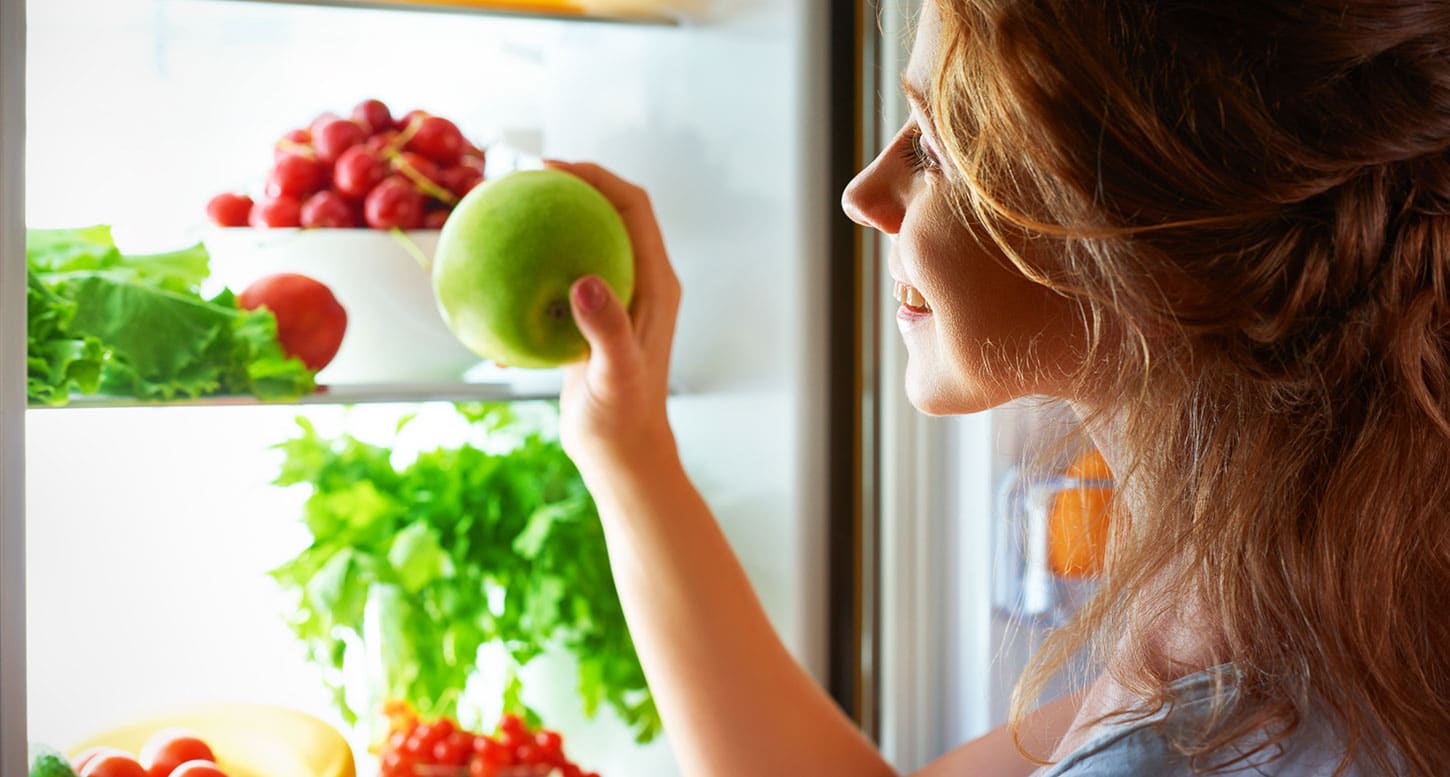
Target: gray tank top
[1139, 748]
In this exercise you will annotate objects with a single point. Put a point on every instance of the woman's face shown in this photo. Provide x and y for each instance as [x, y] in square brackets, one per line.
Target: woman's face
[978, 333]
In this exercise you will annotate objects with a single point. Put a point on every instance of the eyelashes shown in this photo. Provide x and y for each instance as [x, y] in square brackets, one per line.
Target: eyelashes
[914, 152]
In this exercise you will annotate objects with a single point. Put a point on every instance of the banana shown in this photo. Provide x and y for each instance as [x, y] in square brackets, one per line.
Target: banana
[249, 740]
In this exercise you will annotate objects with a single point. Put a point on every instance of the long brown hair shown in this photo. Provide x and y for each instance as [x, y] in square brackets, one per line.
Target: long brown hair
[1251, 199]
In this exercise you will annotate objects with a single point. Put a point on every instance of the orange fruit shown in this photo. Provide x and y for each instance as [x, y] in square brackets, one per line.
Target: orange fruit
[1077, 525]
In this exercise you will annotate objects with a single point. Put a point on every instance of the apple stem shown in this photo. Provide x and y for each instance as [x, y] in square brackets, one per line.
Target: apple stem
[558, 310]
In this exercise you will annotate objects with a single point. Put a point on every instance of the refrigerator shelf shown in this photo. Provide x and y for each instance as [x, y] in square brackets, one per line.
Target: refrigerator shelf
[658, 13]
[543, 385]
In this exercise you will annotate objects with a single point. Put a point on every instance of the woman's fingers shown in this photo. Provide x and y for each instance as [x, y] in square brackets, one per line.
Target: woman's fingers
[656, 288]
[606, 326]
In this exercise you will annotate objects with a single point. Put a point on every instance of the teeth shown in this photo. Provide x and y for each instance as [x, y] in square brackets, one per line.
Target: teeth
[910, 297]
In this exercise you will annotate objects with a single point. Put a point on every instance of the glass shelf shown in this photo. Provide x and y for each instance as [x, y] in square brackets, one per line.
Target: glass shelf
[531, 385]
[663, 12]
[486, 383]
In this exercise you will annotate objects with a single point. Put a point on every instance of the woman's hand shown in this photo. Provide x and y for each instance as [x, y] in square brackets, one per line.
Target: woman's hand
[612, 408]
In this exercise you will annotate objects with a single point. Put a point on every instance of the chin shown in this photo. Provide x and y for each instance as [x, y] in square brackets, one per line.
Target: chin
[935, 399]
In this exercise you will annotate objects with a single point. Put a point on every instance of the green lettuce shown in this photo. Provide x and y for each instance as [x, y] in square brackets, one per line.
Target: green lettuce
[137, 326]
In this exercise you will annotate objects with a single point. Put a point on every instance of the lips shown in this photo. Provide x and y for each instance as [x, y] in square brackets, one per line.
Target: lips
[909, 297]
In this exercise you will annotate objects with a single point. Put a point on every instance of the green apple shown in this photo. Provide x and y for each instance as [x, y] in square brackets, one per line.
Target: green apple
[507, 256]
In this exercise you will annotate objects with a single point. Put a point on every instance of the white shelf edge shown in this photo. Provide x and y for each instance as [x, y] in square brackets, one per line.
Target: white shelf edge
[663, 20]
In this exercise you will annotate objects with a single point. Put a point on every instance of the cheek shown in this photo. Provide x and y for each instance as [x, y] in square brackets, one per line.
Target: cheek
[997, 335]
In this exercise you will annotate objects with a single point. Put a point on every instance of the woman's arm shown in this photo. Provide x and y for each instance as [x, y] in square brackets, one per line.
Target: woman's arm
[732, 698]
[994, 754]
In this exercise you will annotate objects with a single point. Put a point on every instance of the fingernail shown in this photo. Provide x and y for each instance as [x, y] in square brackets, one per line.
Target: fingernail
[589, 293]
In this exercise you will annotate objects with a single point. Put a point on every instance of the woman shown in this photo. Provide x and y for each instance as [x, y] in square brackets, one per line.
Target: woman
[1221, 230]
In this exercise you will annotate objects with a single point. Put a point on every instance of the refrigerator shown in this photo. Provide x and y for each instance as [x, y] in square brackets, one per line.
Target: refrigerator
[886, 546]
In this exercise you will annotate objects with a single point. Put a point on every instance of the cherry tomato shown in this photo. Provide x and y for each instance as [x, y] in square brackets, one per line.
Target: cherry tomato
[198, 769]
[169, 748]
[395, 764]
[512, 724]
[549, 743]
[296, 176]
[408, 119]
[279, 211]
[393, 203]
[331, 138]
[229, 210]
[373, 115]
[438, 139]
[322, 118]
[297, 142]
[327, 209]
[310, 321]
[435, 219]
[418, 164]
[381, 142]
[450, 752]
[357, 171]
[84, 758]
[528, 754]
[114, 763]
[459, 179]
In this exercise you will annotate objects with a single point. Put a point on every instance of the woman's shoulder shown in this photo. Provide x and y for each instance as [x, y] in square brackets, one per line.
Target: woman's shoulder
[1146, 745]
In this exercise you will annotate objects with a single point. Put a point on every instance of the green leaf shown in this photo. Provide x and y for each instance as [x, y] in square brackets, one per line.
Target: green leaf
[417, 557]
[459, 547]
[339, 589]
[101, 321]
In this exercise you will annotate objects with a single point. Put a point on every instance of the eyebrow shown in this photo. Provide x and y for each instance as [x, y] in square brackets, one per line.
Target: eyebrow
[914, 95]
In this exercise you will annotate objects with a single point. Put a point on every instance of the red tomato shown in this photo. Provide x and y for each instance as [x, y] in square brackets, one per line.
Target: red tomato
[169, 748]
[230, 209]
[310, 321]
[81, 761]
[114, 763]
[198, 769]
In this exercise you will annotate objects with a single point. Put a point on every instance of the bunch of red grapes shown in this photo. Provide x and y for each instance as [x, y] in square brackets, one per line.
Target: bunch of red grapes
[440, 748]
[367, 170]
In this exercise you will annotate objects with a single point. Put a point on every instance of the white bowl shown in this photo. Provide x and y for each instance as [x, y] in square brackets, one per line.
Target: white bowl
[394, 331]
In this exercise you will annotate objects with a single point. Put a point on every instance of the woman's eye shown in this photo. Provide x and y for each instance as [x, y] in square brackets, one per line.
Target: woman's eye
[915, 153]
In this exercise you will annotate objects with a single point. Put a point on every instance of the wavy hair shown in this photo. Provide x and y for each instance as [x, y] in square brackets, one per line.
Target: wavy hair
[1251, 200]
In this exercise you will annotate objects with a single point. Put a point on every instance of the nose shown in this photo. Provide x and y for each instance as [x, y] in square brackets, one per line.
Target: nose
[872, 200]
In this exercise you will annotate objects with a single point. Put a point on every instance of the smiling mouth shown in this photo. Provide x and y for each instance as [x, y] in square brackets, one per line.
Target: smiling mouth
[911, 298]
